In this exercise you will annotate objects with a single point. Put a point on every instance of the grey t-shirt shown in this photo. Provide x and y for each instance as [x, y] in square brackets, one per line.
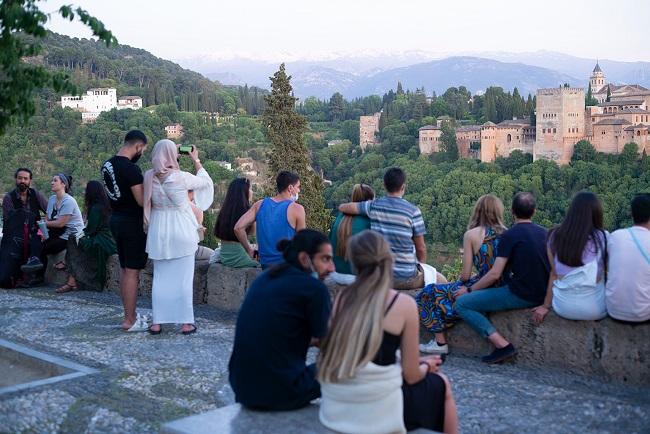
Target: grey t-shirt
[69, 207]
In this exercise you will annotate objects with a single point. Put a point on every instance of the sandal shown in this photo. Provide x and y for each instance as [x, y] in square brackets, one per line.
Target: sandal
[65, 288]
[155, 332]
[60, 266]
[189, 332]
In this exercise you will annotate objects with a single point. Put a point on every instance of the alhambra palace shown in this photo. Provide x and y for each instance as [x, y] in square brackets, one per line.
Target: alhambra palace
[562, 120]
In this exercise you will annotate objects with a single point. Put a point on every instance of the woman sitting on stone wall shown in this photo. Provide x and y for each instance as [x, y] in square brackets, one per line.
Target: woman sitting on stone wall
[577, 252]
[86, 258]
[237, 202]
[436, 302]
[63, 219]
[365, 389]
[345, 226]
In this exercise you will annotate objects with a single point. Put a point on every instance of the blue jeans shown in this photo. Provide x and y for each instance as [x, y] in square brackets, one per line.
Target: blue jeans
[471, 307]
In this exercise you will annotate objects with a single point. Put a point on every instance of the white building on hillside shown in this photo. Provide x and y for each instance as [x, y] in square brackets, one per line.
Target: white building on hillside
[99, 100]
[129, 102]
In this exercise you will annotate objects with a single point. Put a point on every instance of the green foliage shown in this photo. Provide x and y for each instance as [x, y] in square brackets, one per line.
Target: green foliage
[447, 191]
[452, 271]
[22, 26]
[449, 147]
[55, 140]
[285, 131]
[589, 98]
[584, 151]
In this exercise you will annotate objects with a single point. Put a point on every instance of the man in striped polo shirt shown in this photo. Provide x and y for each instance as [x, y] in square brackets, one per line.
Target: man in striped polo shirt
[401, 223]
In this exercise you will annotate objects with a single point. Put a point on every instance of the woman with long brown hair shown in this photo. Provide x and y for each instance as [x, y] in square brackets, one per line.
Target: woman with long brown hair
[577, 252]
[345, 226]
[436, 301]
[87, 257]
[358, 369]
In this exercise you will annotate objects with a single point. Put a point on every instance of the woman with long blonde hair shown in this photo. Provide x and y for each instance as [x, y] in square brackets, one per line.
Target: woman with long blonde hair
[345, 226]
[436, 302]
[358, 369]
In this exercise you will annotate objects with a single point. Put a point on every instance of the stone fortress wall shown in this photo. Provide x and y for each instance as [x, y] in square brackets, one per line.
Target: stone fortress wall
[562, 120]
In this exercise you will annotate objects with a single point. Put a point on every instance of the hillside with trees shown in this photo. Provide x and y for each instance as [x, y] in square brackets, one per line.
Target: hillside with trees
[133, 71]
[444, 186]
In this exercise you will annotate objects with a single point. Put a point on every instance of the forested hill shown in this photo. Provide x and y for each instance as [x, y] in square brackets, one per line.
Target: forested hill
[133, 71]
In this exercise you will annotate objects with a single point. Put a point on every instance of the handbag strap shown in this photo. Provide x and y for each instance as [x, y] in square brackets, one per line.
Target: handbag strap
[638, 245]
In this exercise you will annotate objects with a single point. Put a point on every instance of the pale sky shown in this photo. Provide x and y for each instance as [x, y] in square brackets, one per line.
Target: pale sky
[289, 29]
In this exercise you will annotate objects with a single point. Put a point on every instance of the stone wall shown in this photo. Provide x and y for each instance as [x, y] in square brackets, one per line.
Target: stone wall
[607, 349]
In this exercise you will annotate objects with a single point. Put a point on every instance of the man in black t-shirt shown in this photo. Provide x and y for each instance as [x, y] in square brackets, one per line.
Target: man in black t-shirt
[123, 183]
[523, 264]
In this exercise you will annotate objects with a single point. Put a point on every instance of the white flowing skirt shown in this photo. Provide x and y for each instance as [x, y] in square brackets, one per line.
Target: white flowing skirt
[172, 291]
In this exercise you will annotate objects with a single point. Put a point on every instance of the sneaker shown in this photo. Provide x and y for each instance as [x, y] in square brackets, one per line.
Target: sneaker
[34, 264]
[140, 325]
[434, 348]
[500, 354]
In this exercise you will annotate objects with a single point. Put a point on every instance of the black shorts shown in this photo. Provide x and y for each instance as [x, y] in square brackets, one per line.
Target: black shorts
[131, 241]
[424, 403]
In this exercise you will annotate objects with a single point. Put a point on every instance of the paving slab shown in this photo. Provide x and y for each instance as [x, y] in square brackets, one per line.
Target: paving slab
[143, 381]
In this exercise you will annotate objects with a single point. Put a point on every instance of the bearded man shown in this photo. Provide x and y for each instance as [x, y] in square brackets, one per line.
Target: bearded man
[21, 244]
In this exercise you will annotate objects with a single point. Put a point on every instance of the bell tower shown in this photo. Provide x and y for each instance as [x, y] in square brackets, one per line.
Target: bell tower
[597, 79]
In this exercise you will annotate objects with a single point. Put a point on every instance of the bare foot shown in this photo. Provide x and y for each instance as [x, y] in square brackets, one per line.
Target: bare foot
[187, 328]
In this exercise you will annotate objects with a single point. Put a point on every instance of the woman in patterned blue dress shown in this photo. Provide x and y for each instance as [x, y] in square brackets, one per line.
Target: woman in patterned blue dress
[436, 302]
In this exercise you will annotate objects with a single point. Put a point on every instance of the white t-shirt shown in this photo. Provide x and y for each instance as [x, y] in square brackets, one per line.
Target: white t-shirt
[627, 291]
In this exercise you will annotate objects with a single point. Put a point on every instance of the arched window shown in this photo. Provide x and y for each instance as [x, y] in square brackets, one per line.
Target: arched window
[509, 138]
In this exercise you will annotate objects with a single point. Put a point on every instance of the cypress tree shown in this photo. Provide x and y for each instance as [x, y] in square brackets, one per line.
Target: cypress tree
[285, 130]
[609, 93]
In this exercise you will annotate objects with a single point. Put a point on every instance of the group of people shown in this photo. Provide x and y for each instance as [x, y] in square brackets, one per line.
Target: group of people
[35, 227]
[577, 269]
[156, 216]
[358, 372]
[369, 361]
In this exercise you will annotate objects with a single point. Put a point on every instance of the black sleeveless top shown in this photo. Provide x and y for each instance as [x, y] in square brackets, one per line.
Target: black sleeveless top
[389, 344]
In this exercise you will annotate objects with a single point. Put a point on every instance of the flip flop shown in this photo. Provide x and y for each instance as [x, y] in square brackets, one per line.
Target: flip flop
[189, 332]
[154, 332]
[65, 288]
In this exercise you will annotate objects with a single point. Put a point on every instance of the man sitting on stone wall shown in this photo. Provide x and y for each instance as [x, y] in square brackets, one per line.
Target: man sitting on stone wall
[276, 218]
[523, 264]
[401, 223]
[627, 289]
[21, 210]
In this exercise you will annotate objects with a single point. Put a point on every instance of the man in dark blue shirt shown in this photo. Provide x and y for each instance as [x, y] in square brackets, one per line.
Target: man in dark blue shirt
[286, 310]
[523, 264]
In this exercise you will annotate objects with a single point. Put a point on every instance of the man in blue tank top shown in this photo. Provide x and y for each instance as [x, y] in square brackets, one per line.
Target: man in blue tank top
[276, 218]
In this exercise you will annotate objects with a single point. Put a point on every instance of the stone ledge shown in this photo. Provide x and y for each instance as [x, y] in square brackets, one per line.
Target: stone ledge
[608, 349]
[234, 419]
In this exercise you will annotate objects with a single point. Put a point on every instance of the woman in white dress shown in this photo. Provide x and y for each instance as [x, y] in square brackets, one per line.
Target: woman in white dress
[173, 233]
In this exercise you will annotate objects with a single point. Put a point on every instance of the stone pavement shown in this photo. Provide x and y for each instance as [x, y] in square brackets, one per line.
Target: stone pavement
[145, 380]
